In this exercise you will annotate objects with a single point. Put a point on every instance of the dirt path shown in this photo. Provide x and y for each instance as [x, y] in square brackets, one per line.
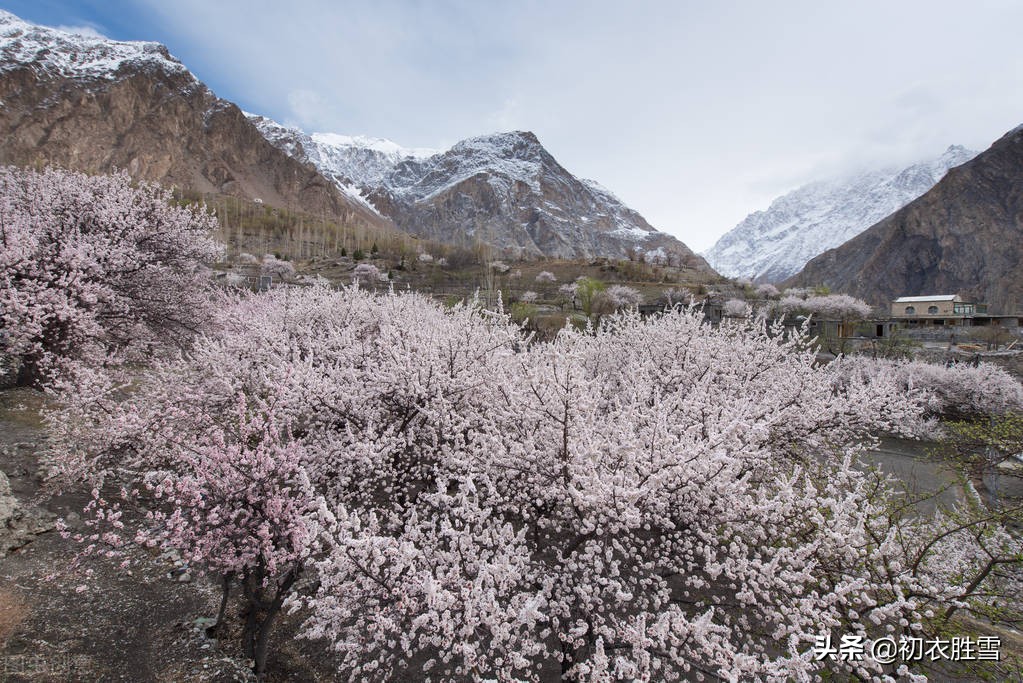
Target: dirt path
[137, 624]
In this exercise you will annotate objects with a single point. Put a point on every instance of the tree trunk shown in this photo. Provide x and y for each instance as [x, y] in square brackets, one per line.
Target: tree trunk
[226, 589]
[567, 661]
[261, 613]
[29, 373]
[251, 586]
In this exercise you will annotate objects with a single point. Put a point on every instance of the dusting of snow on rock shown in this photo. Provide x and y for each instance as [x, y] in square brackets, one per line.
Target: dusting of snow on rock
[382, 145]
[363, 161]
[506, 158]
[74, 55]
[599, 189]
[627, 227]
[503, 187]
[772, 245]
[354, 163]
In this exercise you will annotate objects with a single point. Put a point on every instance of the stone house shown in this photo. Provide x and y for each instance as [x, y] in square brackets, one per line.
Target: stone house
[937, 309]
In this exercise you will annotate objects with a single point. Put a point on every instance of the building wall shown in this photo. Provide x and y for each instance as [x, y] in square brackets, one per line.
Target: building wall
[923, 309]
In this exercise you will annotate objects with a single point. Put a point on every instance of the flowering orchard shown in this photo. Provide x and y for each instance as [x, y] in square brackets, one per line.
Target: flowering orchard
[656, 499]
[92, 265]
[958, 391]
[830, 306]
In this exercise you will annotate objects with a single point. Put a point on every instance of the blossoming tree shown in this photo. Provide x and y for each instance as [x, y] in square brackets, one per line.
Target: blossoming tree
[91, 265]
[653, 499]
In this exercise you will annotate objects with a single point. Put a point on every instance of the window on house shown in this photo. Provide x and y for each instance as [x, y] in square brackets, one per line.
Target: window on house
[932, 310]
[910, 310]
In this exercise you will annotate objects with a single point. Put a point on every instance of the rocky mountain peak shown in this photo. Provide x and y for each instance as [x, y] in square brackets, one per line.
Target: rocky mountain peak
[771, 245]
[61, 54]
[355, 163]
[513, 144]
[956, 155]
[503, 188]
[514, 157]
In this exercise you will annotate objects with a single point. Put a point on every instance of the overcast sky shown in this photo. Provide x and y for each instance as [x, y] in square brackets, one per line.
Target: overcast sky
[693, 113]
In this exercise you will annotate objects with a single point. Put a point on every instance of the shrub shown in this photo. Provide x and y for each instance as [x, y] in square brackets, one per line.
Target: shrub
[275, 268]
[546, 277]
[736, 308]
[366, 272]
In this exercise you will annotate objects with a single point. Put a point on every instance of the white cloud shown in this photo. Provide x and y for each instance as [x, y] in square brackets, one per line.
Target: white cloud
[90, 30]
[308, 110]
[693, 113]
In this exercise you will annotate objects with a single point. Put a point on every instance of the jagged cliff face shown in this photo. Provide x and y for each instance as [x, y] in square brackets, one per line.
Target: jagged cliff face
[353, 164]
[97, 105]
[771, 245]
[503, 189]
[507, 190]
[963, 236]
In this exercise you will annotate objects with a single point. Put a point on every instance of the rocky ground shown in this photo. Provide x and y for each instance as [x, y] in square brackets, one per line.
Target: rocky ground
[142, 623]
[148, 622]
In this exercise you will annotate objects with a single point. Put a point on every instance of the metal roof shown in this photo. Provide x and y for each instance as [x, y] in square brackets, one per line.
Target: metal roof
[922, 299]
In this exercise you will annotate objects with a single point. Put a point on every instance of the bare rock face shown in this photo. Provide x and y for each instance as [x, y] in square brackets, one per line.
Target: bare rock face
[19, 524]
[97, 105]
[504, 189]
[963, 236]
[775, 244]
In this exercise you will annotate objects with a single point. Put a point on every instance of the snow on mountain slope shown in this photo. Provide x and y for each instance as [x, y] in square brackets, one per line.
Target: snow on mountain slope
[504, 157]
[88, 103]
[962, 235]
[72, 55]
[354, 163]
[504, 188]
[771, 245]
[359, 160]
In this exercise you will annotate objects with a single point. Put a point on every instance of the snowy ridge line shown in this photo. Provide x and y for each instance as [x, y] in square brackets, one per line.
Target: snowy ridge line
[506, 182]
[350, 160]
[382, 145]
[74, 55]
[774, 244]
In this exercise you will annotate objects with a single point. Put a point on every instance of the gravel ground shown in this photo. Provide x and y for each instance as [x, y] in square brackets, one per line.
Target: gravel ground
[137, 624]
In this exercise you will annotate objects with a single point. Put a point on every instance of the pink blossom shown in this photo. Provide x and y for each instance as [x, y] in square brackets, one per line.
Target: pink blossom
[94, 265]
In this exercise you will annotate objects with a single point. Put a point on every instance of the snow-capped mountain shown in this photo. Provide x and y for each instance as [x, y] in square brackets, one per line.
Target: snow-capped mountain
[88, 103]
[503, 189]
[962, 236]
[354, 163]
[771, 245]
[85, 102]
[359, 160]
[73, 55]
